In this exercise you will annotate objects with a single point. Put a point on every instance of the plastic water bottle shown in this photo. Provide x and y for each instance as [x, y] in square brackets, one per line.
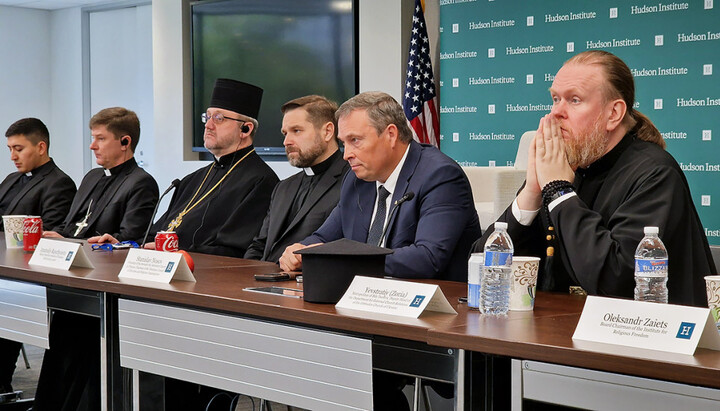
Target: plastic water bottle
[651, 268]
[495, 282]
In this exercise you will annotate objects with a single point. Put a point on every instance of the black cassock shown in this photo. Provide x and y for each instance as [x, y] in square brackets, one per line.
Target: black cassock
[47, 193]
[224, 222]
[121, 202]
[637, 184]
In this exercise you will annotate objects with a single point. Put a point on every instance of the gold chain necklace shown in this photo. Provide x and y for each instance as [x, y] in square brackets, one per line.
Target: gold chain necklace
[175, 223]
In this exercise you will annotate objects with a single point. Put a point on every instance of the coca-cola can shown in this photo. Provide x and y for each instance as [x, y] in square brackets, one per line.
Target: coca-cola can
[32, 232]
[166, 241]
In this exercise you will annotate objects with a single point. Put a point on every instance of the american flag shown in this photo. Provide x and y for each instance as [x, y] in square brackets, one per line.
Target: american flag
[420, 99]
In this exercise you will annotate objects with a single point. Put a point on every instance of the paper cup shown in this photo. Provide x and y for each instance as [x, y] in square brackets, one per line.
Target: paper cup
[712, 286]
[13, 230]
[524, 283]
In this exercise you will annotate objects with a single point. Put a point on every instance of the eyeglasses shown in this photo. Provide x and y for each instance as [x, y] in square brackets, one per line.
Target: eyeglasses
[218, 118]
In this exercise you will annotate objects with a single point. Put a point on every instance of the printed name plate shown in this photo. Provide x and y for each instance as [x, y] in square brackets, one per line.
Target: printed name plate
[403, 298]
[663, 327]
[60, 254]
[155, 266]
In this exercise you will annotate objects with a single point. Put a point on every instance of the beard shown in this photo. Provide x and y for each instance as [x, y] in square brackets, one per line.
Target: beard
[583, 149]
[307, 157]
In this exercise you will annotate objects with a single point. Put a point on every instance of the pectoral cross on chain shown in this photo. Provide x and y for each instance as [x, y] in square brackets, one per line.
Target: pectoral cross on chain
[82, 224]
[175, 223]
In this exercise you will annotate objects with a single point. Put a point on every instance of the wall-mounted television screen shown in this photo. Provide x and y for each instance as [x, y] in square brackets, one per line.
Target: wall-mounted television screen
[290, 48]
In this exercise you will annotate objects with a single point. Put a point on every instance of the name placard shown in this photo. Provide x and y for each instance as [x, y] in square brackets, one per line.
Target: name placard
[155, 266]
[402, 298]
[663, 327]
[60, 254]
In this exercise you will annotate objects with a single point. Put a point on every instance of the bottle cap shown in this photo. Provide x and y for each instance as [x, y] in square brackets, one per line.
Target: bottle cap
[500, 225]
[651, 230]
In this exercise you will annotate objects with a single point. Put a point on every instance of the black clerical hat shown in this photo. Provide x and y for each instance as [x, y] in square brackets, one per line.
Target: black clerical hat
[233, 95]
[328, 269]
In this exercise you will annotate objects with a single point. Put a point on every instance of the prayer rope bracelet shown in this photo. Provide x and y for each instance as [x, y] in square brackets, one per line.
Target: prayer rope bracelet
[554, 190]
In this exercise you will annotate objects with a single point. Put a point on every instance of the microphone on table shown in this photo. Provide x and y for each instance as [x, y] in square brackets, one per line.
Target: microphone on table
[174, 184]
[407, 197]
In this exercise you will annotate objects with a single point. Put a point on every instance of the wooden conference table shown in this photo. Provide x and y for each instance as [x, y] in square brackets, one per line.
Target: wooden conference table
[214, 332]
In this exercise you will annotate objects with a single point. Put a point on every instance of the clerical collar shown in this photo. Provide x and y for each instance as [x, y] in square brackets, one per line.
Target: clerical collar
[323, 166]
[40, 169]
[608, 160]
[120, 167]
[229, 159]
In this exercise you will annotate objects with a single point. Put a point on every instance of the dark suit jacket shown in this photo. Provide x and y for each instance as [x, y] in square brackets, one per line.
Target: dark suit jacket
[274, 235]
[127, 205]
[431, 234]
[48, 194]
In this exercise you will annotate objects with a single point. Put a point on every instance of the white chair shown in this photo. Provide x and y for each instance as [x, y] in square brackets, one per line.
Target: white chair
[494, 188]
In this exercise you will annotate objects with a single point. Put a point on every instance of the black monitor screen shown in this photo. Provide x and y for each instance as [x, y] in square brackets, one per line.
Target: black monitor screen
[290, 48]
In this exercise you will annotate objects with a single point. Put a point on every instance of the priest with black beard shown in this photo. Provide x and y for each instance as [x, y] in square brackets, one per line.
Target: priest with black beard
[219, 208]
[302, 202]
[597, 175]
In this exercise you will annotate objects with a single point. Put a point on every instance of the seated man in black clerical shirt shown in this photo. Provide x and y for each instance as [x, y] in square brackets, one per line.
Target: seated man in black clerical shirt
[302, 202]
[118, 198]
[219, 208]
[597, 174]
[38, 188]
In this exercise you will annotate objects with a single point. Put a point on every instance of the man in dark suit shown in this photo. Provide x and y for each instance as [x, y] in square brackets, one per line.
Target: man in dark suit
[38, 188]
[302, 202]
[118, 198]
[430, 233]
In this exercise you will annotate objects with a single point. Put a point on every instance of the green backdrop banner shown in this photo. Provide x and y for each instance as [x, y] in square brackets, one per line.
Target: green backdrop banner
[498, 59]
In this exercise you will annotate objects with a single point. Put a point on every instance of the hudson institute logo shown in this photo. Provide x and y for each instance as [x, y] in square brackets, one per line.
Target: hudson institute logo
[659, 71]
[685, 331]
[606, 44]
[529, 50]
[466, 54]
[582, 15]
[527, 107]
[689, 37]
[659, 8]
[492, 24]
[484, 81]
[491, 136]
[449, 2]
[697, 102]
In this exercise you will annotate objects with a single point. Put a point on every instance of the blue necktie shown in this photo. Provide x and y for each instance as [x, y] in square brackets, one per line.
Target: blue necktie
[376, 228]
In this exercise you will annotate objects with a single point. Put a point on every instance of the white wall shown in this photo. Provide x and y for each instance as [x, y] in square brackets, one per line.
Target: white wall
[384, 42]
[121, 72]
[24, 73]
[66, 97]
